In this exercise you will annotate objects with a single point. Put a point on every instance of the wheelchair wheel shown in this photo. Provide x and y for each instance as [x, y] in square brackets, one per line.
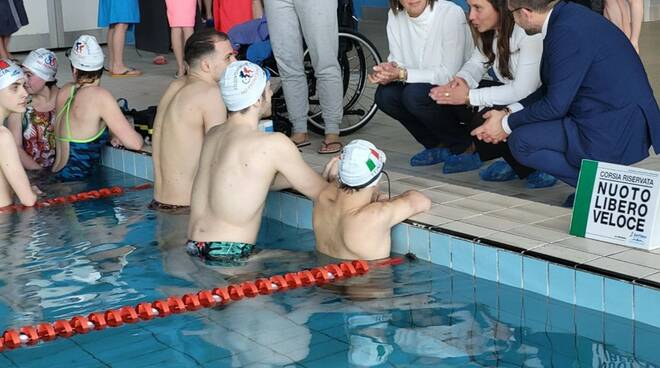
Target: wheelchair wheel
[357, 56]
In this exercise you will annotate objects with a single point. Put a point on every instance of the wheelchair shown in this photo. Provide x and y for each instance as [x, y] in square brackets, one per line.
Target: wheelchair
[357, 56]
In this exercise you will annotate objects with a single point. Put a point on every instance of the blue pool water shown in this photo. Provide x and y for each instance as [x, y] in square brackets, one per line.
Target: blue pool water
[92, 256]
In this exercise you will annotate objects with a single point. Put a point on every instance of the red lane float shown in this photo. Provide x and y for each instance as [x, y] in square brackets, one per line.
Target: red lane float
[30, 335]
[84, 196]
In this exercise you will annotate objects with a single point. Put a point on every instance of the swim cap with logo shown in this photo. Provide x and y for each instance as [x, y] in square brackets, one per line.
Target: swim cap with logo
[9, 73]
[42, 63]
[361, 164]
[242, 85]
[86, 54]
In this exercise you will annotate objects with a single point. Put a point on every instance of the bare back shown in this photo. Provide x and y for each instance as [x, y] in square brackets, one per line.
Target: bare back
[238, 166]
[85, 119]
[188, 109]
[347, 233]
[231, 186]
[349, 228]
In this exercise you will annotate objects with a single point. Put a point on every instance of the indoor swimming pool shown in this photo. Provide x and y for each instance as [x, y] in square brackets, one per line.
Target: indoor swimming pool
[74, 259]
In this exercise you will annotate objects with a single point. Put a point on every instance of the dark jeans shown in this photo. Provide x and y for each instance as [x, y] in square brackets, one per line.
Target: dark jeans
[431, 124]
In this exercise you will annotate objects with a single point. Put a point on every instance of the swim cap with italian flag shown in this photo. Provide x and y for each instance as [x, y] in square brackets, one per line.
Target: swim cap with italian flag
[42, 63]
[361, 164]
[9, 73]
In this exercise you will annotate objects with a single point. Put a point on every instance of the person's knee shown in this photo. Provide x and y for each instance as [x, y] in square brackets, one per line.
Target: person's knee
[415, 97]
[521, 146]
[386, 97]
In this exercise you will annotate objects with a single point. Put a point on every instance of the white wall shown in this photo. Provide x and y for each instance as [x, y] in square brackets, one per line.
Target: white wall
[79, 14]
[37, 12]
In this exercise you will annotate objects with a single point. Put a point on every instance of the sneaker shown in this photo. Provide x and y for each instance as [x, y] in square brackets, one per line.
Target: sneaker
[498, 171]
[570, 200]
[461, 163]
[539, 179]
[430, 156]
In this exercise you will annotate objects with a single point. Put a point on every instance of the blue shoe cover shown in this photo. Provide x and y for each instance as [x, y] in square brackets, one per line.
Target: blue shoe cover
[498, 171]
[430, 156]
[539, 179]
[568, 203]
[461, 163]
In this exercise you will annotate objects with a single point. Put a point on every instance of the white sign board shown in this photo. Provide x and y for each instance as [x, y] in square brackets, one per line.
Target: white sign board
[617, 204]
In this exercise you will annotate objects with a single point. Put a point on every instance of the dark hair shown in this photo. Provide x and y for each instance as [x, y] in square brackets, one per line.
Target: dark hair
[85, 77]
[534, 5]
[347, 189]
[201, 44]
[396, 7]
[504, 30]
[51, 83]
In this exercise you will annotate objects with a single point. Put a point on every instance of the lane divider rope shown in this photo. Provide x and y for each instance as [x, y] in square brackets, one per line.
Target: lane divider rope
[84, 196]
[96, 321]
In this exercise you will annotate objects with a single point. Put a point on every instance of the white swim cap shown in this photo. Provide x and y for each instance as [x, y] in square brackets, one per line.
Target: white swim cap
[86, 54]
[242, 85]
[361, 164]
[9, 73]
[42, 63]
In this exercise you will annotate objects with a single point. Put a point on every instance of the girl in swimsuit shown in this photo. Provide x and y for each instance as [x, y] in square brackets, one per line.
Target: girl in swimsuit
[87, 115]
[34, 130]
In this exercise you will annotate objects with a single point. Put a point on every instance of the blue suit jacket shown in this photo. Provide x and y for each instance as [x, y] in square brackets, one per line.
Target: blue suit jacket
[594, 84]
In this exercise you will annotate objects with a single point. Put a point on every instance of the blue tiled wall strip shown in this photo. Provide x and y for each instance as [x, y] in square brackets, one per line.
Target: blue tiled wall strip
[530, 272]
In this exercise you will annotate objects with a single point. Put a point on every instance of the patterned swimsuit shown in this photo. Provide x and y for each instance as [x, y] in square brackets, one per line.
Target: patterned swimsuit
[39, 136]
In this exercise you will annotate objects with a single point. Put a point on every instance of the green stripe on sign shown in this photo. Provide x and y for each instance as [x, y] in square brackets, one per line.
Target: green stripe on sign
[585, 189]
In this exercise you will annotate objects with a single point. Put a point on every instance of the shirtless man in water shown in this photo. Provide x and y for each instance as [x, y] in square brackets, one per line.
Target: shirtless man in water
[188, 109]
[352, 220]
[238, 166]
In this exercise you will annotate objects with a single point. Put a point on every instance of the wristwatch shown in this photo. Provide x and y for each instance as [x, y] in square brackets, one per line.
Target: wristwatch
[403, 74]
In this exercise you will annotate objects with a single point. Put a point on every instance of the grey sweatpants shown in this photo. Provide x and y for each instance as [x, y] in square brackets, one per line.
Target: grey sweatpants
[316, 20]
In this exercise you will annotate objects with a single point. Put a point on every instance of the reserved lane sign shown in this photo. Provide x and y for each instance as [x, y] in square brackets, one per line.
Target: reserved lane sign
[617, 204]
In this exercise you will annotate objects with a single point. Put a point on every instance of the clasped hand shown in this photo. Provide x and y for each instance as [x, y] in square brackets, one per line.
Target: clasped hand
[491, 130]
[456, 92]
[384, 73]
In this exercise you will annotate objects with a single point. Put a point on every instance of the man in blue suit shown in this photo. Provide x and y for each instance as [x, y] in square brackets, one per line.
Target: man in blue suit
[595, 102]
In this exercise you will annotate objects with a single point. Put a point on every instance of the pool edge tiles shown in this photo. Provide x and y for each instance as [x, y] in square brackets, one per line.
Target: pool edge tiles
[548, 276]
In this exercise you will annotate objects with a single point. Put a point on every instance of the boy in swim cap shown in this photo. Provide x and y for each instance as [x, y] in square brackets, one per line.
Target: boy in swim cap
[238, 166]
[13, 99]
[352, 220]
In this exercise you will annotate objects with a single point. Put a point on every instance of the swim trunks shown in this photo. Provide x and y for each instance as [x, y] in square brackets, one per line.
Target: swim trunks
[168, 208]
[227, 253]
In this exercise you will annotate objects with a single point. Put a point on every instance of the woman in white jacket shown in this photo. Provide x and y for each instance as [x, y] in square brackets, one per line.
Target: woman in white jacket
[512, 59]
[429, 41]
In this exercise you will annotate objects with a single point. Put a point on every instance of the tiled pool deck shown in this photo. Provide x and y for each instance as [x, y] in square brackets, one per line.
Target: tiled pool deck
[483, 229]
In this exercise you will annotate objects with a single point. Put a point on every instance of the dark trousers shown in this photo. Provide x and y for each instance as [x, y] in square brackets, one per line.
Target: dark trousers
[543, 146]
[489, 151]
[430, 124]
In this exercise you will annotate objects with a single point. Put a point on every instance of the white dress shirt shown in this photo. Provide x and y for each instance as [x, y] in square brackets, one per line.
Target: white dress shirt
[432, 46]
[517, 106]
[524, 63]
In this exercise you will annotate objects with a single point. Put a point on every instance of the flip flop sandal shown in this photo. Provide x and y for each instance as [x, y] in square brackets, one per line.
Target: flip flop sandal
[302, 144]
[325, 147]
[130, 72]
